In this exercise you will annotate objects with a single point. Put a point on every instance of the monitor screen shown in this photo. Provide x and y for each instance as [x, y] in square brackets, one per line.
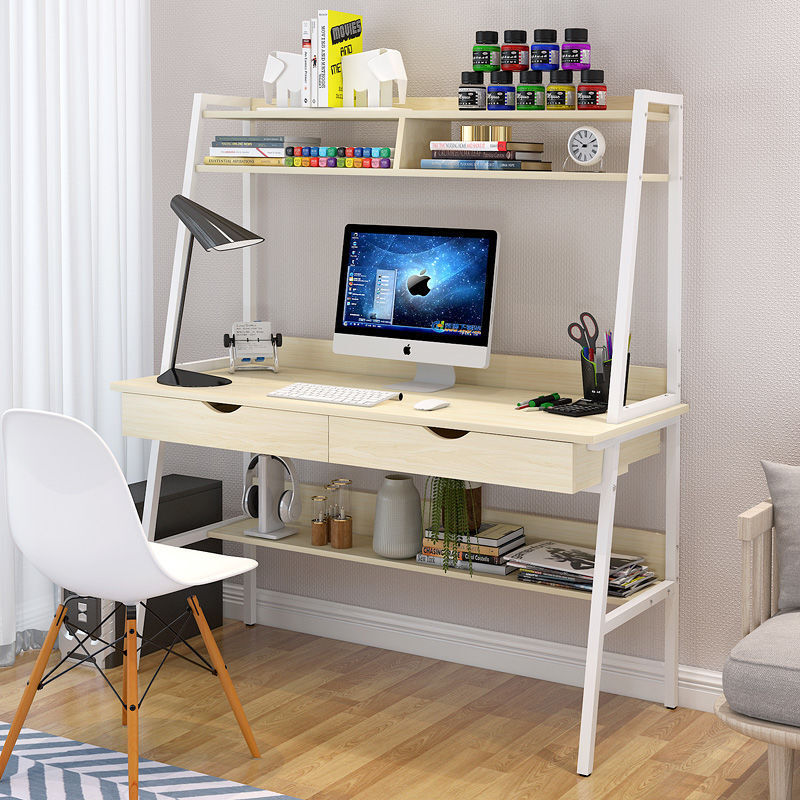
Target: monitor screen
[431, 284]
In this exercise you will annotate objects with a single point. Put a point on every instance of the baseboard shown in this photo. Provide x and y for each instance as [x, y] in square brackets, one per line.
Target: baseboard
[535, 658]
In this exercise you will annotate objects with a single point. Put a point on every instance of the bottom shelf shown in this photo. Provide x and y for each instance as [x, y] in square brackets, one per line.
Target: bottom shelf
[361, 551]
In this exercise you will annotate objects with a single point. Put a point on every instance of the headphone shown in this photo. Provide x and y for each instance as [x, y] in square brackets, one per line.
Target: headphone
[288, 503]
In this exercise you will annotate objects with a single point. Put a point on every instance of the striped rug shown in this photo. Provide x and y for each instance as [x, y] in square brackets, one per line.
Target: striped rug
[45, 767]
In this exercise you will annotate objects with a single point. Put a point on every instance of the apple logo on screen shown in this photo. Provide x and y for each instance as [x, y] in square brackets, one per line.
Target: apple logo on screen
[418, 284]
[407, 350]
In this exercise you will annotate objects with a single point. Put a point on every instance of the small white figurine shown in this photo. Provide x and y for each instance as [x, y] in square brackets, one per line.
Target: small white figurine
[367, 78]
[283, 79]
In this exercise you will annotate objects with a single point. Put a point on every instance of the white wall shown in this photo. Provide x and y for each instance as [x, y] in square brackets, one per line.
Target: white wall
[560, 246]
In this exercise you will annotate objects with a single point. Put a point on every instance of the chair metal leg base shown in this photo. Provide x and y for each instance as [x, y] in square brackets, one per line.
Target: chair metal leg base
[224, 678]
[32, 687]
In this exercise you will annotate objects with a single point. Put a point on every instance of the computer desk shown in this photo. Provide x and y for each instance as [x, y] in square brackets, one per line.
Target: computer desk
[479, 437]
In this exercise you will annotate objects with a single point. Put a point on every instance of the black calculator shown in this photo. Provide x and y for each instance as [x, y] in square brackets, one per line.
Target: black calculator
[580, 408]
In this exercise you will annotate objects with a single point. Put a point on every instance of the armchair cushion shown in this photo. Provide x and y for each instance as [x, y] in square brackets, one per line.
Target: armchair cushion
[784, 486]
[761, 677]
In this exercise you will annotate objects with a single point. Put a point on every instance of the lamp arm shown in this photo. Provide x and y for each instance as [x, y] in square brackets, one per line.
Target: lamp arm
[177, 336]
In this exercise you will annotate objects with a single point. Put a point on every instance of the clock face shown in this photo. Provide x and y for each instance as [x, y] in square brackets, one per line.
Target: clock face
[586, 146]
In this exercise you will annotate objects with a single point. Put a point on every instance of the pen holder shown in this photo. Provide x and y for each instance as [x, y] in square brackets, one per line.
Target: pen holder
[595, 384]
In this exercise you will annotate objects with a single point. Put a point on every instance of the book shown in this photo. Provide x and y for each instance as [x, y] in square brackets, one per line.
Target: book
[478, 163]
[244, 162]
[276, 151]
[567, 558]
[340, 34]
[314, 63]
[480, 549]
[463, 555]
[490, 534]
[491, 569]
[250, 141]
[305, 44]
[455, 144]
[499, 155]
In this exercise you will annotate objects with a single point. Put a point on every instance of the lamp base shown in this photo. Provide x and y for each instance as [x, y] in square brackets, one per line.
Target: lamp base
[185, 377]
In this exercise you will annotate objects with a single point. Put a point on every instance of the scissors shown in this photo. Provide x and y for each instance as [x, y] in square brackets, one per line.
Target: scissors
[580, 332]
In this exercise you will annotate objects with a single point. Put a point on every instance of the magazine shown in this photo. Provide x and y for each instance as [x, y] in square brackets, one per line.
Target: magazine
[567, 558]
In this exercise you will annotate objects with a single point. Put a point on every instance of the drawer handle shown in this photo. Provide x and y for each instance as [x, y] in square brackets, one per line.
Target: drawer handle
[222, 408]
[448, 433]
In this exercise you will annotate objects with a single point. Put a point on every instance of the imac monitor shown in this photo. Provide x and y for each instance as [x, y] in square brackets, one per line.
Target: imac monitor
[417, 294]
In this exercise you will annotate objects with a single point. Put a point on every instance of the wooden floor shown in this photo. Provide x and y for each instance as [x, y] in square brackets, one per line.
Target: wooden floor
[339, 721]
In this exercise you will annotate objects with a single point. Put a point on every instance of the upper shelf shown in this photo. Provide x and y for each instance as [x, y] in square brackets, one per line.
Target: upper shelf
[435, 108]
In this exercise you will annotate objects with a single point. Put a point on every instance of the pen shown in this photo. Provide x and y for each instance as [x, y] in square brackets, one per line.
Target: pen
[538, 401]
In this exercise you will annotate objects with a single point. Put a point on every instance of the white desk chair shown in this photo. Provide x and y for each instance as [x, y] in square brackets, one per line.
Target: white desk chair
[72, 516]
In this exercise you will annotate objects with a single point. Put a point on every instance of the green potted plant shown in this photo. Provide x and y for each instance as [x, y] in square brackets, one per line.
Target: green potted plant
[454, 509]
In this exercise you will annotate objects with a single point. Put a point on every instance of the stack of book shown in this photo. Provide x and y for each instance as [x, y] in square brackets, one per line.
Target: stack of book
[281, 151]
[255, 151]
[455, 154]
[485, 551]
[570, 567]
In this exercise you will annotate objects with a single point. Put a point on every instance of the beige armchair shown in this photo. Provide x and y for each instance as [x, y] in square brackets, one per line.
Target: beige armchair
[759, 603]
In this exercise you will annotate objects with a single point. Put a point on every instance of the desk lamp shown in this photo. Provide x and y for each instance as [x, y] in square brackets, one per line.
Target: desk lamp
[213, 232]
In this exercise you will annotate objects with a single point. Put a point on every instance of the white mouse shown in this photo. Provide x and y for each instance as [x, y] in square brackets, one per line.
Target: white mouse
[431, 404]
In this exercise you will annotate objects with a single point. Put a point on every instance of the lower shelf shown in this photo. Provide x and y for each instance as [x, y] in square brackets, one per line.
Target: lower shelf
[469, 174]
[361, 551]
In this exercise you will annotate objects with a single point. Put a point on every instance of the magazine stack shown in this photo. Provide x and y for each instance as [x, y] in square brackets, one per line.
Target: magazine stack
[569, 567]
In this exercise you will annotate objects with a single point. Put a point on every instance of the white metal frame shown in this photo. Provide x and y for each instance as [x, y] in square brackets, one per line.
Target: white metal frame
[601, 622]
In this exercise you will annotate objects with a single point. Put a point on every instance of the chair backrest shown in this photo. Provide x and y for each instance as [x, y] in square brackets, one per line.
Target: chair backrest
[69, 508]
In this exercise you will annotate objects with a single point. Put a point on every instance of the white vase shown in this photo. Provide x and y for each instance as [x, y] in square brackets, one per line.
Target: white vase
[398, 518]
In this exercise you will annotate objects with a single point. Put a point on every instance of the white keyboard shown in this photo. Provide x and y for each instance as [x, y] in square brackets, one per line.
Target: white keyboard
[343, 395]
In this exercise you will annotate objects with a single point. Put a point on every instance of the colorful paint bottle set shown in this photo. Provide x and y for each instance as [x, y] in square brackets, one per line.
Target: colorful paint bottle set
[529, 61]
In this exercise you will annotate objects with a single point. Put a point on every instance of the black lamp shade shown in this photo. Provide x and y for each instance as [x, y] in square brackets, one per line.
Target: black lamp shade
[211, 230]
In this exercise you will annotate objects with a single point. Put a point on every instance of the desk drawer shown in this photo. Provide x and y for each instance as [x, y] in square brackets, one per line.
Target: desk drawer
[485, 457]
[260, 430]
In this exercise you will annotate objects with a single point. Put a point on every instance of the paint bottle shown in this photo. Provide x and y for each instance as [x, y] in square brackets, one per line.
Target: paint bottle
[471, 93]
[530, 91]
[485, 52]
[515, 54]
[500, 92]
[592, 90]
[560, 93]
[576, 52]
[544, 50]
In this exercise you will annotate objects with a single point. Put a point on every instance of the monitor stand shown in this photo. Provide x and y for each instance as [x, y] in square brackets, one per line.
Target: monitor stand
[429, 378]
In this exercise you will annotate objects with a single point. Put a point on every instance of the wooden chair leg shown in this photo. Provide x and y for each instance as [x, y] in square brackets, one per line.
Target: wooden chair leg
[132, 701]
[222, 671]
[780, 761]
[124, 686]
[32, 687]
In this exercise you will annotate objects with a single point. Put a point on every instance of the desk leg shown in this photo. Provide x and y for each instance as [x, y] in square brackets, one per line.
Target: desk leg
[597, 613]
[250, 586]
[672, 543]
[152, 494]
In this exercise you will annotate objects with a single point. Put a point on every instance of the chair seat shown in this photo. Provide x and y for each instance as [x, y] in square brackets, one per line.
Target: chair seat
[761, 677]
[194, 567]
